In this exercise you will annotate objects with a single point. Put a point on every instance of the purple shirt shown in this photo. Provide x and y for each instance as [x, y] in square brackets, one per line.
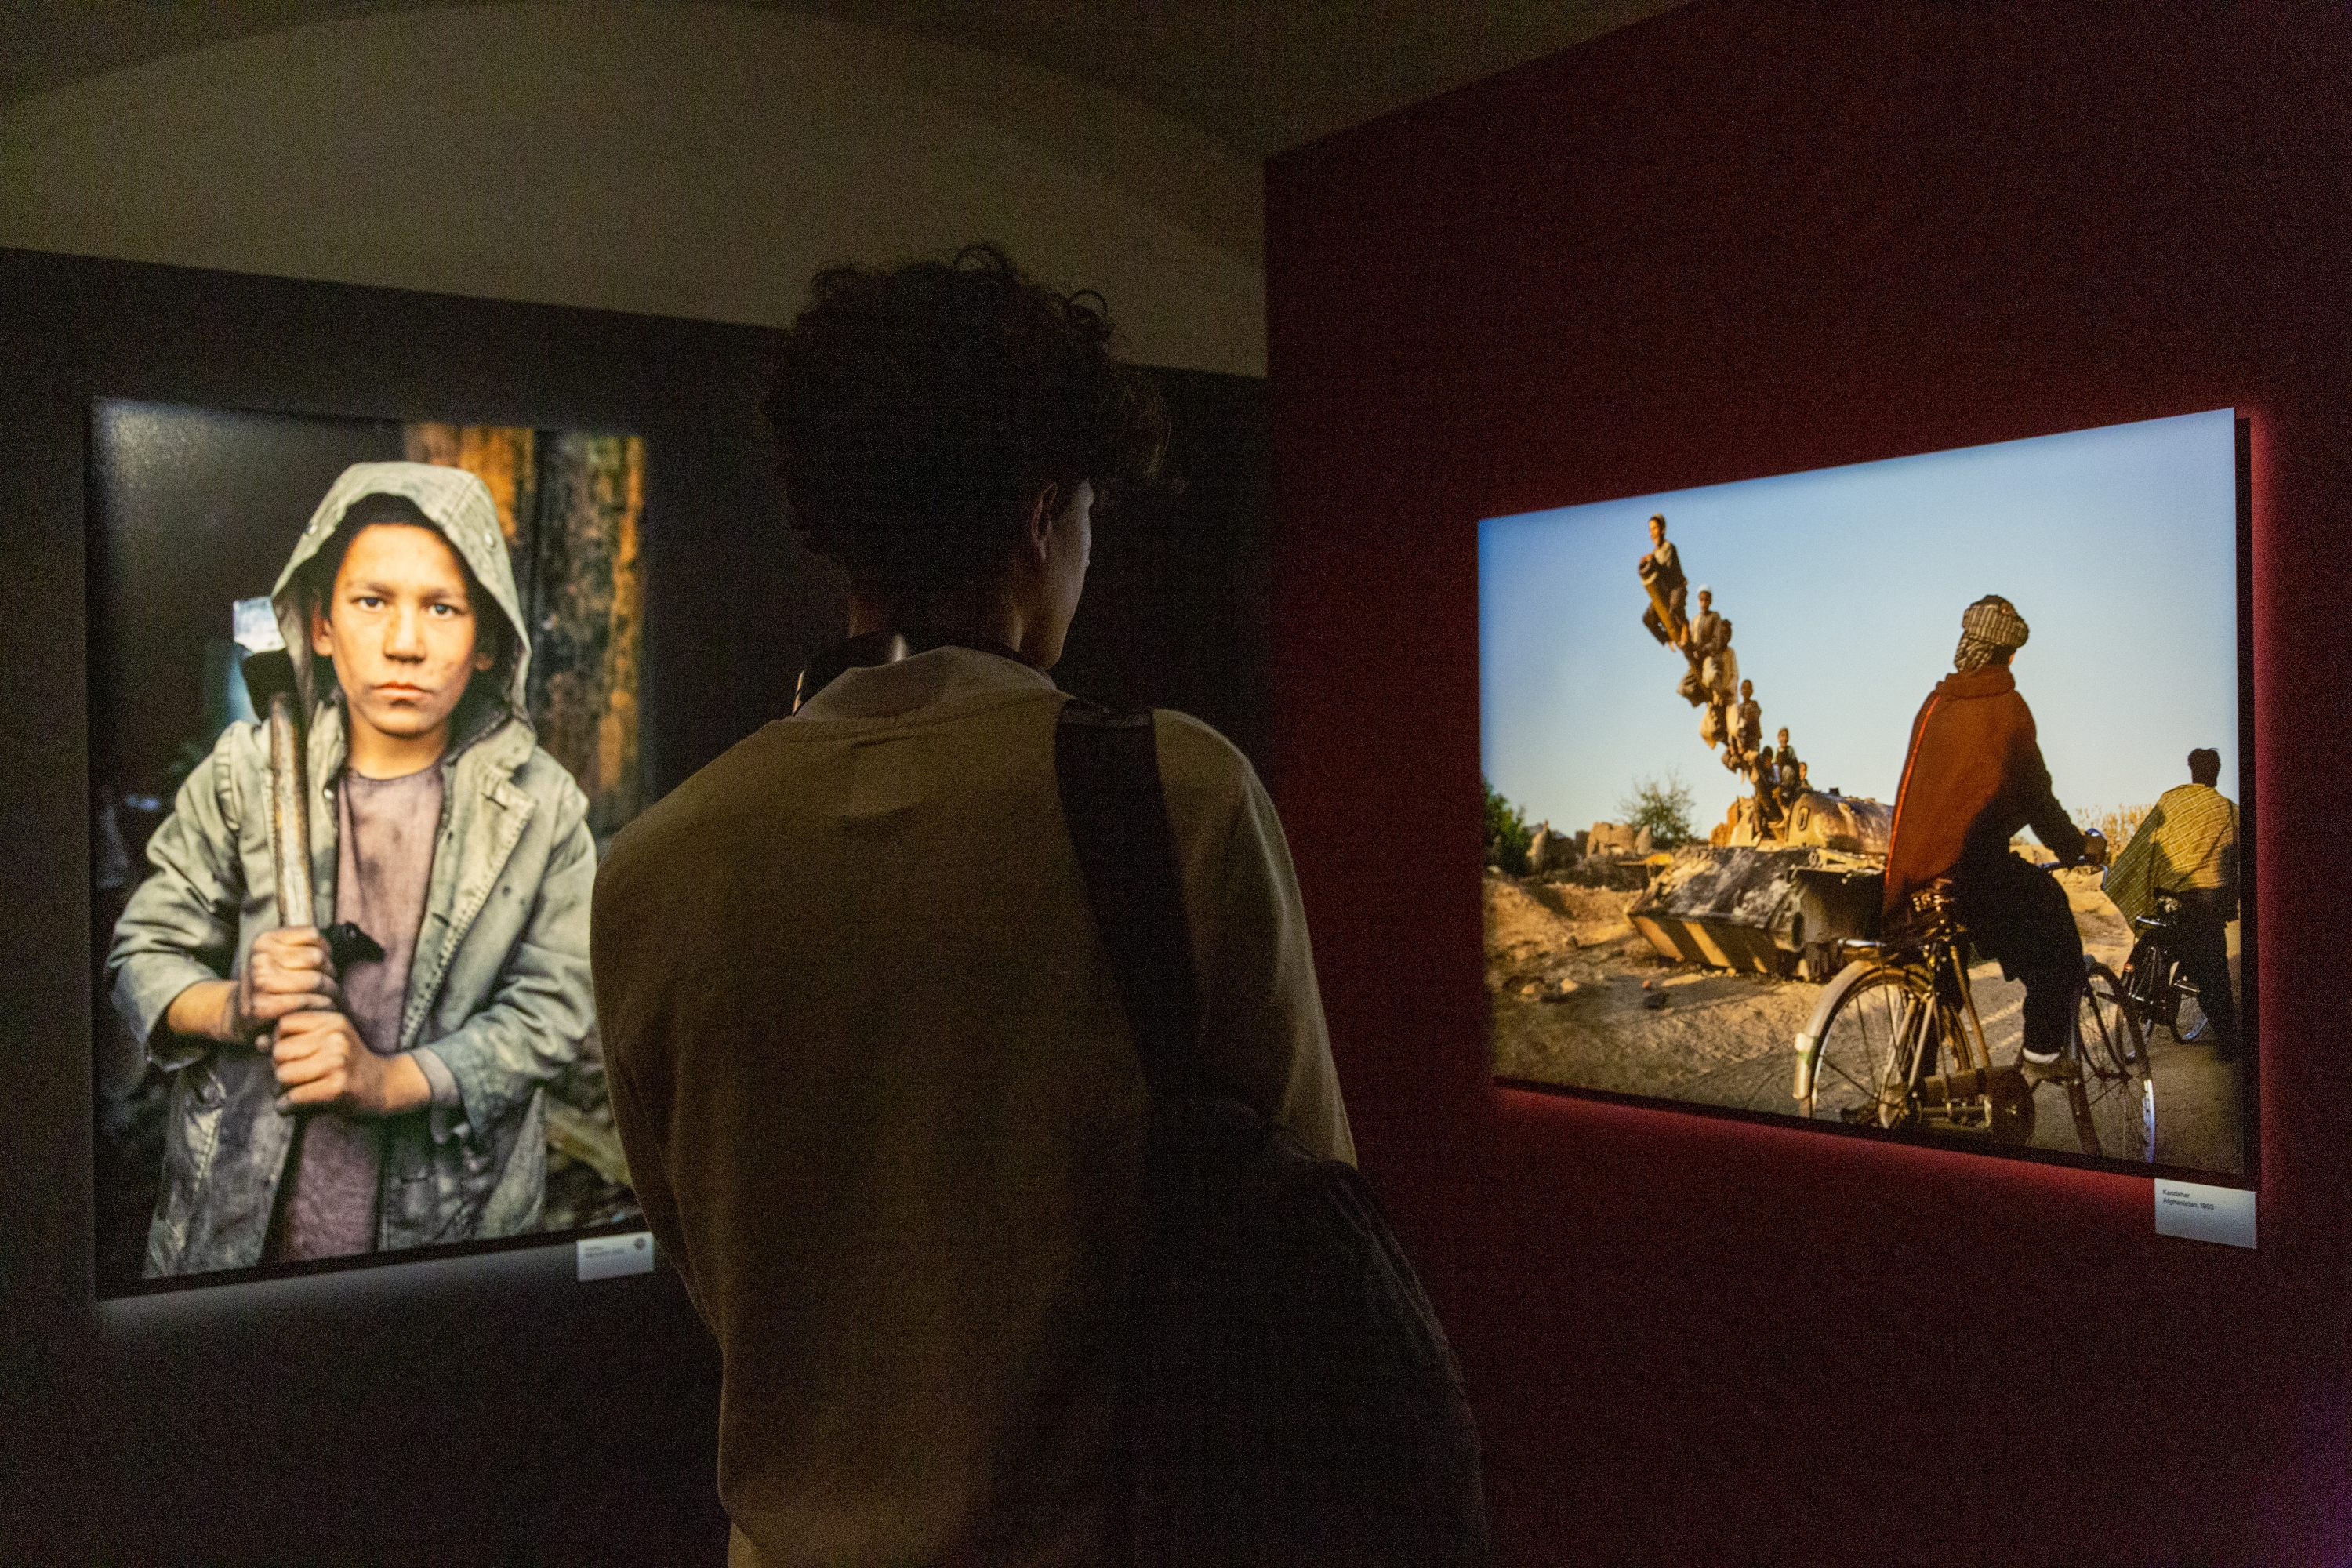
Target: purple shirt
[383, 861]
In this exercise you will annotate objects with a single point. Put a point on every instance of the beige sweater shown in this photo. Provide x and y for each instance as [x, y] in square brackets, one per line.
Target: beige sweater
[883, 1112]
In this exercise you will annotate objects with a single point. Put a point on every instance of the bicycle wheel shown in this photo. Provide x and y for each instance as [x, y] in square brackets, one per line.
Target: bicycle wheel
[2189, 1023]
[2110, 1023]
[2116, 1068]
[1872, 1023]
[2148, 982]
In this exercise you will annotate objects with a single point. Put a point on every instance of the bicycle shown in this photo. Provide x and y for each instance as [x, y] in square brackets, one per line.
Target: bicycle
[1904, 1001]
[2156, 983]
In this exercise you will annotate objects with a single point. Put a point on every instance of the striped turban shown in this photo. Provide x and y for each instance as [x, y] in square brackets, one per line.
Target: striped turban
[1989, 629]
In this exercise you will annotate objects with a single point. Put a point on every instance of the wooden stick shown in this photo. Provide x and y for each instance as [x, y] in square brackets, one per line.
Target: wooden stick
[290, 815]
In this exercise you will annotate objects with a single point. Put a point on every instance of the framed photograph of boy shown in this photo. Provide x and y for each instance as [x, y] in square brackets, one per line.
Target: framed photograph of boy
[364, 704]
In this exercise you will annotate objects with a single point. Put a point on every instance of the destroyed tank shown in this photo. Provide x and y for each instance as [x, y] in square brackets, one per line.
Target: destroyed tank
[1776, 906]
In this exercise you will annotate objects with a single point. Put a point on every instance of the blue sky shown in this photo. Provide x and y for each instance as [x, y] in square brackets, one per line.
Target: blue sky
[1844, 587]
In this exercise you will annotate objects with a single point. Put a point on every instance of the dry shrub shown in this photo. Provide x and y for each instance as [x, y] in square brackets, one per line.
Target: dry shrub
[2117, 822]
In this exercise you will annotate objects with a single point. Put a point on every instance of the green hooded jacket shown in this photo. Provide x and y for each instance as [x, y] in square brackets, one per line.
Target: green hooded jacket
[498, 996]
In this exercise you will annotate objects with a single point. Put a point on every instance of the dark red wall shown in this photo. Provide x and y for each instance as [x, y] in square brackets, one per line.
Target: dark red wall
[1751, 238]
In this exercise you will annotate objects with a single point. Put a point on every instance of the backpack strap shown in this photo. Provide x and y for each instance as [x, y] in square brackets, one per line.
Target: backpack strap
[1107, 766]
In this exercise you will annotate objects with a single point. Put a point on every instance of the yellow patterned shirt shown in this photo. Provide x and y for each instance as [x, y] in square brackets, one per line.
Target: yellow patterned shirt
[2190, 841]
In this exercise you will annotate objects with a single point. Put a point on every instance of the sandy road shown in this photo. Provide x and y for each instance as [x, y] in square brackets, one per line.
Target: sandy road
[1576, 1001]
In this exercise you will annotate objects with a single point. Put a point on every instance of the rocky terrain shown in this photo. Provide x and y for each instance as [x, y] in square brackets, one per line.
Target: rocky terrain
[1580, 999]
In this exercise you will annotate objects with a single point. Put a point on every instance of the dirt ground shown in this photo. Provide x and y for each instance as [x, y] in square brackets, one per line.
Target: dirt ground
[1580, 999]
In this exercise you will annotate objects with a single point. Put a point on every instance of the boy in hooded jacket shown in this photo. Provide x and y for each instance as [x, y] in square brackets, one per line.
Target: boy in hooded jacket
[399, 1101]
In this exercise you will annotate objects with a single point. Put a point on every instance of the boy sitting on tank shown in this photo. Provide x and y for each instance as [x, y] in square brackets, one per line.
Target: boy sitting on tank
[1788, 770]
[398, 1101]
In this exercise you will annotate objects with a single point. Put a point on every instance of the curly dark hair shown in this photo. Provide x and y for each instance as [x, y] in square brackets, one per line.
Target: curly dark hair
[917, 410]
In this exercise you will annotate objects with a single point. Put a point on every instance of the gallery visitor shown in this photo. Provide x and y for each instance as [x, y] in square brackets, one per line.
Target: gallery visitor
[867, 1058]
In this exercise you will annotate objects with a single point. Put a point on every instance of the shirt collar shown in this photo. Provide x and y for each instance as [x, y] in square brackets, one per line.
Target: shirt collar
[923, 684]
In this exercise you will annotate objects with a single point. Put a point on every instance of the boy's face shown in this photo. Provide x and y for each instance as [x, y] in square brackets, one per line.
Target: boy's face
[400, 627]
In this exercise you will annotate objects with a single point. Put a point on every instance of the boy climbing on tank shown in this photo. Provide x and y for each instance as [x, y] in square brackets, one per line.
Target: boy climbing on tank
[1661, 570]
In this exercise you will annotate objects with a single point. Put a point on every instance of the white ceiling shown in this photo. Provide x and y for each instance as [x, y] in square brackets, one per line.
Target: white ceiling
[1260, 76]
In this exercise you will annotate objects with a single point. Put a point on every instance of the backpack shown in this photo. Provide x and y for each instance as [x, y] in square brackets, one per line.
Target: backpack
[1287, 1394]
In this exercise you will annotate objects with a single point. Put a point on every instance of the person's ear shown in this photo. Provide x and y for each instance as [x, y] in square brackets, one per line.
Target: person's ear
[1038, 525]
[322, 636]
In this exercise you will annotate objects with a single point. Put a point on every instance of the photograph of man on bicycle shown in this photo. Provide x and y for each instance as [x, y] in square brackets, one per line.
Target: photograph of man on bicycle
[1972, 779]
[1913, 931]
